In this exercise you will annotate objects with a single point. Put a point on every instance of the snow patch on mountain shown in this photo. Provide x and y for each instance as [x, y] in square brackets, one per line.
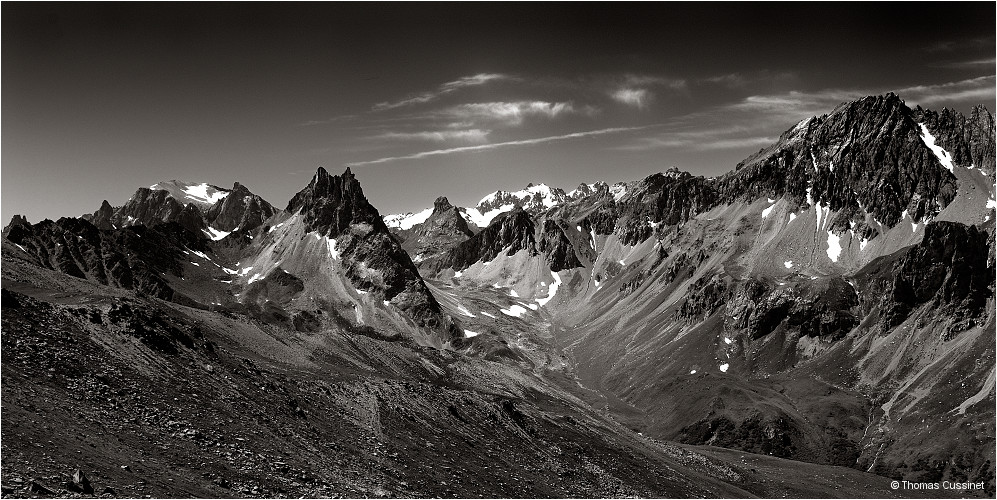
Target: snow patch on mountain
[833, 246]
[216, 235]
[514, 310]
[407, 220]
[943, 156]
[618, 191]
[767, 211]
[204, 193]
[463, 310]
[480, 219]
[551, 290]
[200, 254]
[332, 247]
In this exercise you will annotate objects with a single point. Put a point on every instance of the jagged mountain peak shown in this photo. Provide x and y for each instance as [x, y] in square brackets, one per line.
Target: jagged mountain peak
[873, 155]
[442, 204]
[331, 203]
[16, 221]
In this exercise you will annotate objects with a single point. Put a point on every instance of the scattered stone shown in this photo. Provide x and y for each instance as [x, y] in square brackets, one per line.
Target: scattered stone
[81, 480]
[36, 488]
[108, 491]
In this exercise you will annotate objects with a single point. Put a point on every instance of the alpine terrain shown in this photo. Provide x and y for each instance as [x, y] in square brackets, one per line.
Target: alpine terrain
[816, 322]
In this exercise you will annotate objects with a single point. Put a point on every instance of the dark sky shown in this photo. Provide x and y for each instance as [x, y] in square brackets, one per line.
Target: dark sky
[444, 99]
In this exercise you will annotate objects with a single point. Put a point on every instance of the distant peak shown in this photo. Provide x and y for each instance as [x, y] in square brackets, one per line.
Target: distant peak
[18, 220]
[442, 204]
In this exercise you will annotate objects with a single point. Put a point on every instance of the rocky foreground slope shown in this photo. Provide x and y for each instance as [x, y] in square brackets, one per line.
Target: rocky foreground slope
[816, 322]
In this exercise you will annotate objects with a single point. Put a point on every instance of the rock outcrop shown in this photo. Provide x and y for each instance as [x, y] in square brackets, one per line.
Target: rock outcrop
[509, 232]
[134, 258]
[445, 228]
[867, 154]
[241, 209]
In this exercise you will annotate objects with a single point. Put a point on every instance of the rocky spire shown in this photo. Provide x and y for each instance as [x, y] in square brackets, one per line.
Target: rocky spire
[330, 204]
[442, 204]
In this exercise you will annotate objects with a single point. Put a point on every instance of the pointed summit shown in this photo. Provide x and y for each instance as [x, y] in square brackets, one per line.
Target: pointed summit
[442, 204]
[15, 221]
[441, 230]
[102, 217]
[331, 203]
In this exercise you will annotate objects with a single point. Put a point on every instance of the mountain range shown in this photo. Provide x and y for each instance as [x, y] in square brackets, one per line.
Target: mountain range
[817, 321]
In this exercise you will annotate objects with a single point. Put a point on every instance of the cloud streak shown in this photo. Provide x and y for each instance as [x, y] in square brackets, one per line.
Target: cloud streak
[702, 138]
[443, 89]
[508, 113]
[978, 90]
[469, 135]
[498, 145]
[987, 63]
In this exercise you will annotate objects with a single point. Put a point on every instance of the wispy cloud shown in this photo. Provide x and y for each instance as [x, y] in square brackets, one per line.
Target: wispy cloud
[335, 119]
[701, 138]
[508, 113]
[633, 97]
[740, 80]
[985, 63]
[468, 135]
[498, 145]
[443, 89]
[654, 81]
[635, 90]
[980, 90]
[986, 42]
